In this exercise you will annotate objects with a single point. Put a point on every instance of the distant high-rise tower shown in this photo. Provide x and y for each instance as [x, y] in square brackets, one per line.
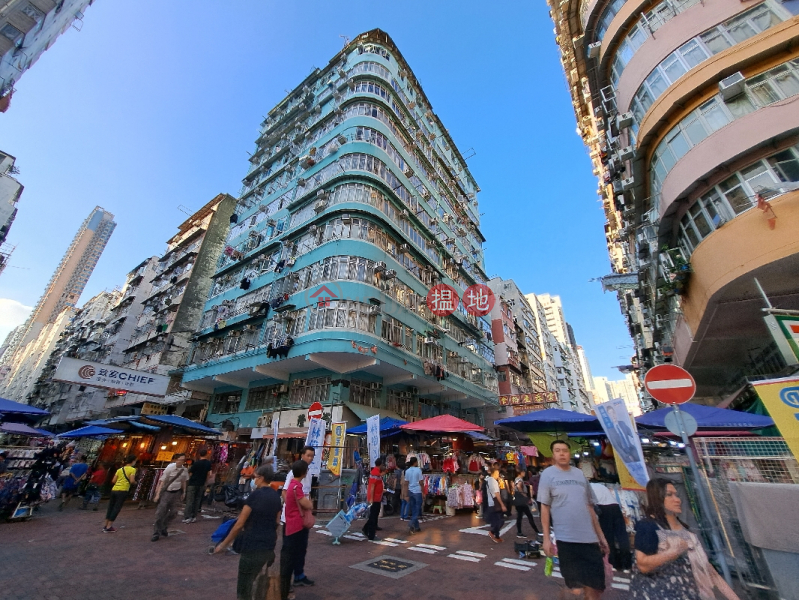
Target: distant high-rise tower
[62, 292]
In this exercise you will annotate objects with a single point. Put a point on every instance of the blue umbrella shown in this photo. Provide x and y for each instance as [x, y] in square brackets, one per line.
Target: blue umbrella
[708, 417]
[552, 419]
[176, 421]
[387, 427]
[89, 431]
[22, 429]
[9, 407]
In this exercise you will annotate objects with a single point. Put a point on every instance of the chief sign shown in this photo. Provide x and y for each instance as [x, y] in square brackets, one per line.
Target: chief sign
[84, 372]
[670, 384]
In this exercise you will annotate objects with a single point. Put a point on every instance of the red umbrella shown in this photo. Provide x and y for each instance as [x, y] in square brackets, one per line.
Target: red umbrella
[442, 424]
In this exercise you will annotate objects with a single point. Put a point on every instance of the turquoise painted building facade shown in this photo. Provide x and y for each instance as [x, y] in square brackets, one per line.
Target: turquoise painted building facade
[356, 203]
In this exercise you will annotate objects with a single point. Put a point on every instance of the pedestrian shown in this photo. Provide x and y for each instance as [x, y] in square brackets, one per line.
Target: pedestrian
[669, 559]
[413, 475]
[295, 535]
[496, 507]
[258, 519]
[478, 495]
[70, 486]
[484, 494]
[171, 490]
[92, 493]
[3, 467]
[505, 492]
[123, 479]
[195, 488]
[405, 498]
[374, 498]
[565, 498]
[611, 520]
[307, 456]
[522, 499]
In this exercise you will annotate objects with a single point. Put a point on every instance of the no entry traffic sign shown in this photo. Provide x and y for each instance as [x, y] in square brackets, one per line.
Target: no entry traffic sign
[315, 411]
[670, 384]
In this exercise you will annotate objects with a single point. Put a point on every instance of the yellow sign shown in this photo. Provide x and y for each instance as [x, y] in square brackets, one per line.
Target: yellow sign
[165, 456]
[336, 455]
[151, 408]
[781, 397]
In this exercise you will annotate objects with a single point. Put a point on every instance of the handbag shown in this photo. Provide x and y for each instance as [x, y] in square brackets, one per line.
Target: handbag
[520, 498]
[308, 520]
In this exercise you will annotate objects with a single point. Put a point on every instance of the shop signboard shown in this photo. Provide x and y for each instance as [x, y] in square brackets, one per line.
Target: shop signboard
[316, 439]
[337, 448]
[621, 432]
[781, 397]
[151, 408]
[373, 438]
[84, 372]
[528, 399]
[785, 331]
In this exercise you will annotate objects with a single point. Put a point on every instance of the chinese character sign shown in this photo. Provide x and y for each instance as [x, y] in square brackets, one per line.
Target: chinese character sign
[373, 438]
[442, 300]
[316, 439]
[337, 448]
[781, 397]
[478, 300]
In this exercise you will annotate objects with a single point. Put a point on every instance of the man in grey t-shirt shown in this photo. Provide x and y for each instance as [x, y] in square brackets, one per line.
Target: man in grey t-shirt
[567, 501]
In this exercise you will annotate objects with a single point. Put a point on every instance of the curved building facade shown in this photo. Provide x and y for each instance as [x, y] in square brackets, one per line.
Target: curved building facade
[690, 111]
[356, 203]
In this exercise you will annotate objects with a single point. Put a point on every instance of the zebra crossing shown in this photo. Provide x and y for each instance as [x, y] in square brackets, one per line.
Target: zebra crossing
[619, 583]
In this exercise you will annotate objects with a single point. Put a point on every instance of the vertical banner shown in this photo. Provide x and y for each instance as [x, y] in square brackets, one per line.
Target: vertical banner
[623, 436]
[316, 439]
[373, 438]
[781, 397]
[275, 428]
[337, 448]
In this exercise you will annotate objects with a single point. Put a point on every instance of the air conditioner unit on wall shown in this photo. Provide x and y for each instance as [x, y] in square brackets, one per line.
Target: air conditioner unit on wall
[624, 120]
[593, 49]
[733, 86]
[627, 153]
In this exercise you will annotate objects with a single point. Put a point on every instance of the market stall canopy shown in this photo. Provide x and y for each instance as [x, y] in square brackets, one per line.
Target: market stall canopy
[89, 431]
[22, 429]
[442, 424]
[388, 426]
[124, 424]
[176, 421]
[480, 437]
[708, 417]
[552, 419]
[11, 408]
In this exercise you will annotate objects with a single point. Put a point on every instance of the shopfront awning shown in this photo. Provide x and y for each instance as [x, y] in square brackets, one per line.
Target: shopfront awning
[708, 417]
[364, 412]
[89, 431]
[388, 426]
[442, 424]
[9, 407]
[176, 421]
[552, 420]
[22, 429]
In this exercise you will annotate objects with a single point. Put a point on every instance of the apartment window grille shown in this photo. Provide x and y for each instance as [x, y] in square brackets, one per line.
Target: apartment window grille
[227, 403]
[264, 398]
[365, 393]
[304, 392]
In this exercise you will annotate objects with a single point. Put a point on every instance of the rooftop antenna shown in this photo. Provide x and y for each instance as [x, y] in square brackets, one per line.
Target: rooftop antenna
[185, 209]
[346, 40]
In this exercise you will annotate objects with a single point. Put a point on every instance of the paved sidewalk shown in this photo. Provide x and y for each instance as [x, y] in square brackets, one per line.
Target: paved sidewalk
[65, 556]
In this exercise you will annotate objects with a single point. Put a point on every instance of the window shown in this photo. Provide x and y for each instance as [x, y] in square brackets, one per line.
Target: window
[227, 403]
[305, 392]
[10, 32]
[366, 393]
[33, 12]
[263, 398]
[391, 330]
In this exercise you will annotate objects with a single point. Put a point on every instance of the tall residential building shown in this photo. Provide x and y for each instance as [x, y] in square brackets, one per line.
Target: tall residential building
[27, 29]
[688, 110]
[626, 389]
[172, 296]
[100, 332]
[62, 293]
[356, 203]
[10, 191]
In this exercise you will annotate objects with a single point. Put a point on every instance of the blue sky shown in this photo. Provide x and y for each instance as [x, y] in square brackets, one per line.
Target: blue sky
[155, 104]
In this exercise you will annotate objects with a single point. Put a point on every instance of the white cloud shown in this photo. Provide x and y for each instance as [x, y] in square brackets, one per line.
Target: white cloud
[12, 314]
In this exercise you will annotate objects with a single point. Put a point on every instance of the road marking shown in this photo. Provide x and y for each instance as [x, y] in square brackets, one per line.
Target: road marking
[475, 554]
[516, 561]
[620, 586]
[461, 557]
[668, 384]
[621, 579]
[396, 540]
[324, 532]
[483, 529]
[431, 546]
[512, 566]
[316, 526]
[358, 534]
[382, 543]
[425, 550]
[350, 537]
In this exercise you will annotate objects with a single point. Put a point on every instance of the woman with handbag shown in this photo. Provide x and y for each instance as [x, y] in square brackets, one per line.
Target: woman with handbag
[299, 520]
[669, 560]
[506, 493]
[522, 500]
[123, 479]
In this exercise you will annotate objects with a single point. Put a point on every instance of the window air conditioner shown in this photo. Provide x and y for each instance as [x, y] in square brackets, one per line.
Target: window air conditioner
[283, 388]
[375, 309]
[429, 340]
[593, 49]
[408, 171]
[320, 205]
[624, 120]
[341, 138]
[733, 86]
[341, 73]
[433, 222]
[351, 84]
[322, 195]
[627, 153]
[405, 248]
[424, 192]
[301, 182]
[307, 161]
[389, 274]
[380, 267]
[346, 219]
[628, 183]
